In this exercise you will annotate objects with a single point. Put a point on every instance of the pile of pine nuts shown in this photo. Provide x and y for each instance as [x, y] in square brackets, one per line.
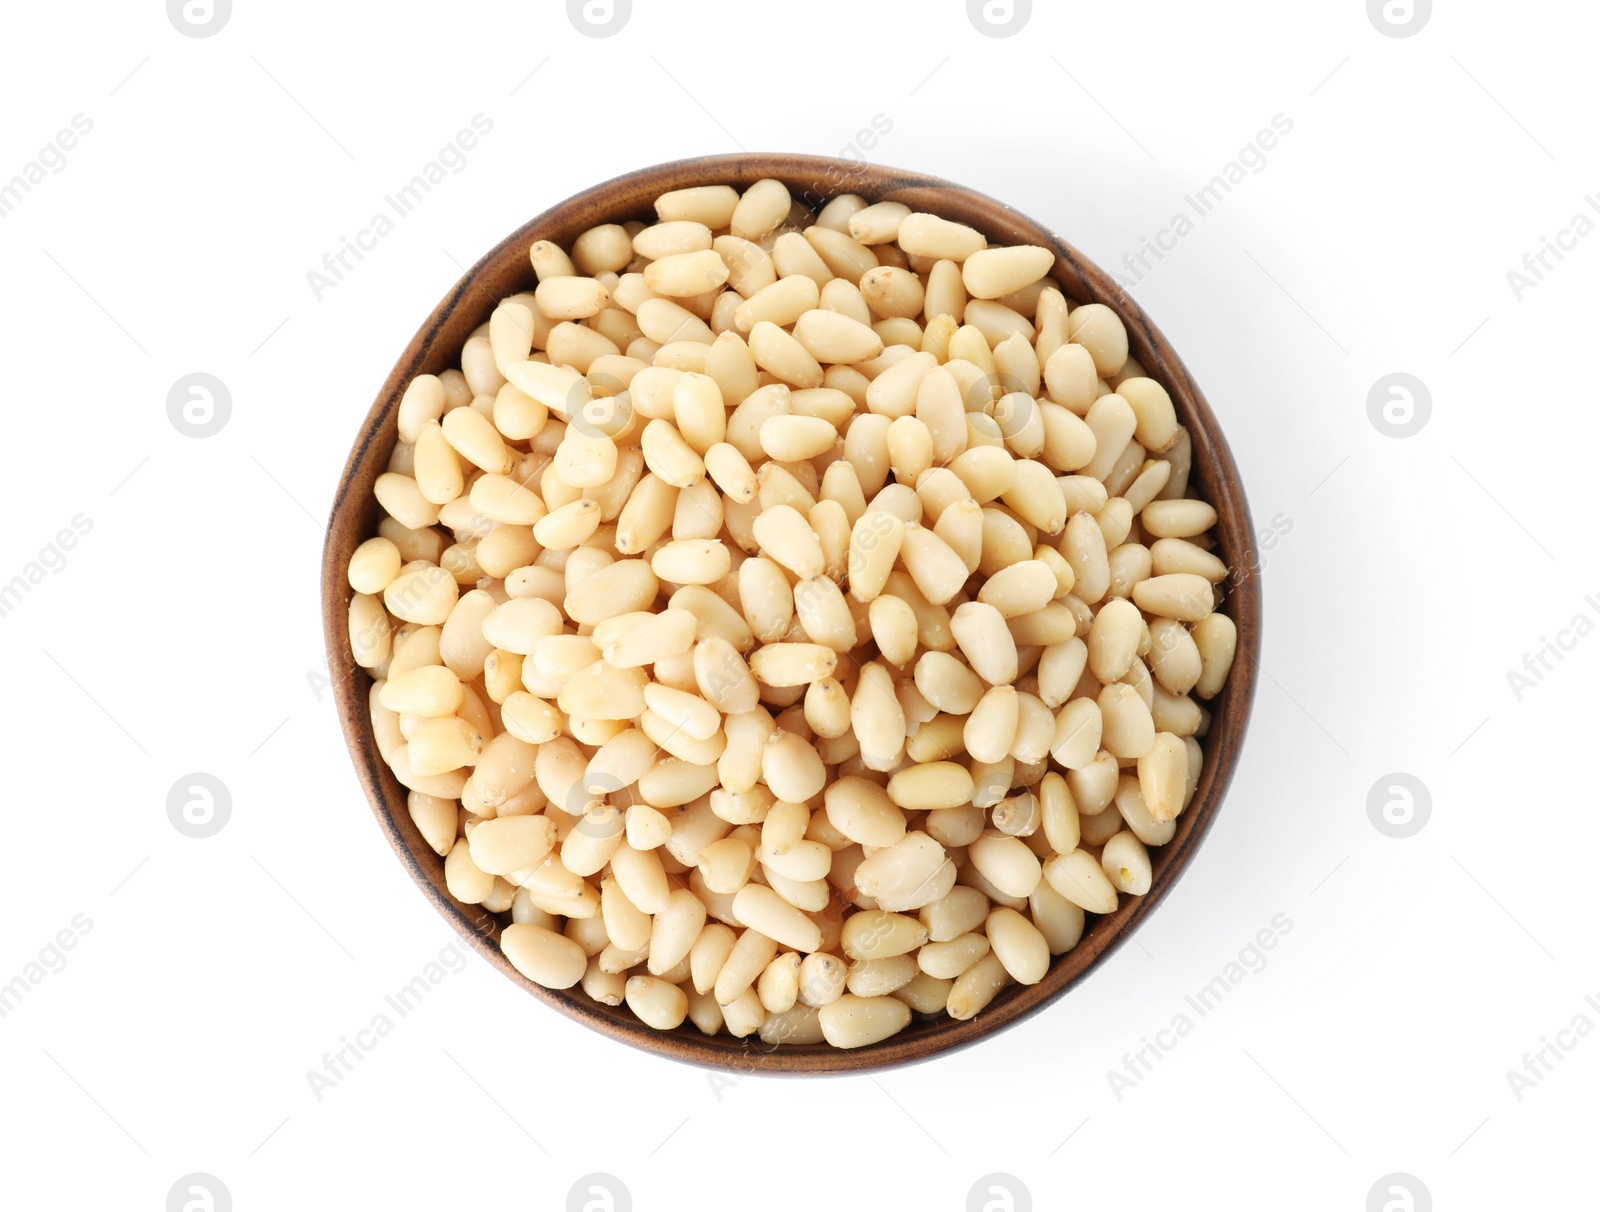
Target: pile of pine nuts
[794, 622]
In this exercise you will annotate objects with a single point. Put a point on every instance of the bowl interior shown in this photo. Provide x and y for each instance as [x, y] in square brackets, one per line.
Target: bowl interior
[505, 270]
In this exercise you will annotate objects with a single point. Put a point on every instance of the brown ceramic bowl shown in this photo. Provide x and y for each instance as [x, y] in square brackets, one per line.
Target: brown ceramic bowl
[813, 179]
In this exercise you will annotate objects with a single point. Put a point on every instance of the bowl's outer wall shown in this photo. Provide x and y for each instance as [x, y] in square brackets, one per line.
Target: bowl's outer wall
[504, 271]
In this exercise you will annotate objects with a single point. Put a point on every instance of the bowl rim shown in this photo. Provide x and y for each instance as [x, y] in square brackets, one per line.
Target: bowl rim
[436, 344]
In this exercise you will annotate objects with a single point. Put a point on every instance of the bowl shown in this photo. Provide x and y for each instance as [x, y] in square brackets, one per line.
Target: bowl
[505, 270]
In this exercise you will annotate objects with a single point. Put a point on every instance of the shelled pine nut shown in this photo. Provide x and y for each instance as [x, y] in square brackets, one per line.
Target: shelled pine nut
[793, 623]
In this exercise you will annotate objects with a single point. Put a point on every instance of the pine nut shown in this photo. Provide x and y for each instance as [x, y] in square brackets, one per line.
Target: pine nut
[569, 298]
[750, 267]
[877, 718]
[894, 628]
[930, 785]
[778, 986]
[1006, 862]
[1020, 589]
[893, 393]
[678, 780]
[373, 565]
[708, 954]
[1127, 730]
[763, 909]
[980, 631]
[875, 934]
[1114, 640]
[830, 337]
[793, 254]
[990, 273]
[1126, 863]
[430, 691]
[949, 959]
[778, 353]
[402, 498]
[668, 323]
[863, 812]
[842, 255]
[711, 205]
[781, 579]
[879, 977]
[657, 1003]
[787, 537]
[796, 439]
[370, 631]
[781, 303]
[1058, 919]
[670, 237]
[992, 727]
[626, 926]
[1099, 330]
[791, 767]
[750, 954]
[1177, 595]
[939, 573]
[1080, 879]
[924, 235]
[603, 249]
[762, 207]
[691, 561]
[424, 400]
[744, 1015]
[686, 274]
[726, 865]
[852, 1021]
[543, 956]
[1018, 945]
[822, 979]
[1177, 519]
[512, 843]
[1217, 639]
[976, 988]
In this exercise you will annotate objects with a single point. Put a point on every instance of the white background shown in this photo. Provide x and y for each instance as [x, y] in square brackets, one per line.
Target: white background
[184, 633]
